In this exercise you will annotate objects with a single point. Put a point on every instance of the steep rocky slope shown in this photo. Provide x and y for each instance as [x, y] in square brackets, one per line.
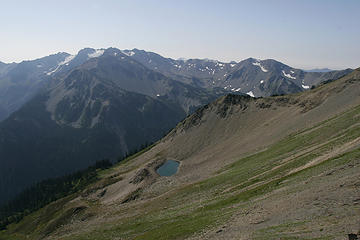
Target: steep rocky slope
[45, 139]
[268, 168]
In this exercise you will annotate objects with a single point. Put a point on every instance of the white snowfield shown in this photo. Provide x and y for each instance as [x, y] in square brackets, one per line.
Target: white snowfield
[97, 53]
[65, 62]
[129, 53]
[305, 87]
[288, 75]
[259, 65]
[251, 94]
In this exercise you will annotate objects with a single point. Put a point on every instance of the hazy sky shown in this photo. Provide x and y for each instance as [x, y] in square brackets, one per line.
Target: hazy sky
[300, 33]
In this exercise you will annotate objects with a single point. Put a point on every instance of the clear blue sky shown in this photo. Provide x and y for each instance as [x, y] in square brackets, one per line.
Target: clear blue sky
[300, 33]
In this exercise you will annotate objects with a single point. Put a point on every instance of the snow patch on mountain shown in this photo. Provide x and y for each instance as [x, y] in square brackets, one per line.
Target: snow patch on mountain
[65, 62]
[128, 52]
[251, 94]
[288, 75]
[97, 53]
[259, 65]
[305, 87]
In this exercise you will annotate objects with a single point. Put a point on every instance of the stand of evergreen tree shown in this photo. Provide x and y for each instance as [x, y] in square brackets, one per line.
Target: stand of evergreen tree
[135, 152]
[47, 191]
[52, 189]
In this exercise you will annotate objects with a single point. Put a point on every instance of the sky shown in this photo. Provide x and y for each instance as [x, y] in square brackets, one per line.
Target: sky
[300, 33]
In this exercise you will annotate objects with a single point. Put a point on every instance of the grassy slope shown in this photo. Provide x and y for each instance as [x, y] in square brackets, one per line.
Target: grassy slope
[197, 207]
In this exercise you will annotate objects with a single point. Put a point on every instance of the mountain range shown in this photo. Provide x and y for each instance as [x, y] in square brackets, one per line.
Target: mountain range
[258, 78]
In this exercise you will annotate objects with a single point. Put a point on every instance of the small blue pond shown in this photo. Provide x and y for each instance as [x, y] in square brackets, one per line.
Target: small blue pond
[169, 168]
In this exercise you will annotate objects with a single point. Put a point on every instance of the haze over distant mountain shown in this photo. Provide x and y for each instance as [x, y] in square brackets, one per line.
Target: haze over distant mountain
[254, 77]
[2, 66]
[319, 70]
[19, 82]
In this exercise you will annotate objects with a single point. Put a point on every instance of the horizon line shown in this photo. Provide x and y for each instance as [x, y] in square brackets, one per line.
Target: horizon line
[184, 58]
